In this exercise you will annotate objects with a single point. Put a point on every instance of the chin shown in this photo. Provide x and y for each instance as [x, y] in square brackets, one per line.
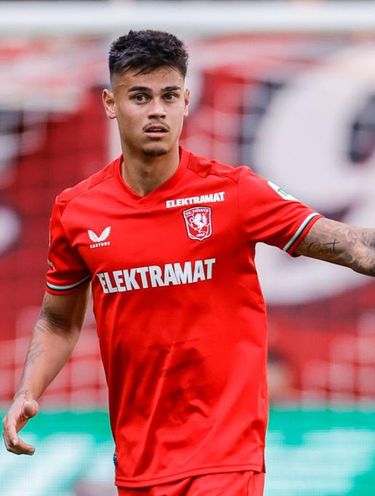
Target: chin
[155, 151]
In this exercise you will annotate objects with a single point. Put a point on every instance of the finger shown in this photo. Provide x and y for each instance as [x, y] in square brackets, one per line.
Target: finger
[19, 447]
[9, 433]
[30, 408]
[11, 426]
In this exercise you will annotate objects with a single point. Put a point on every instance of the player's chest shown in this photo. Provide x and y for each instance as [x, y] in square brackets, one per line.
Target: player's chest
[137, 237]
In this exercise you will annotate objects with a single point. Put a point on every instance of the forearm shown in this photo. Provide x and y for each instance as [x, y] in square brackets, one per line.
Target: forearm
[54, 337]
[49, 349]
[341, 244]
[364, 259]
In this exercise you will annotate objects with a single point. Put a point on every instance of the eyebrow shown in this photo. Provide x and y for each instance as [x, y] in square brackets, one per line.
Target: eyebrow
[149, 90]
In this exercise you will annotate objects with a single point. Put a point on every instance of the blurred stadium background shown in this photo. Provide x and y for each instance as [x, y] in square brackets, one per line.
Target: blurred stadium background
[286, 87]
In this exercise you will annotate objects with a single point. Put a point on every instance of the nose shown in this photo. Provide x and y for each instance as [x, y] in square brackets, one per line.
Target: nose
[156, 109]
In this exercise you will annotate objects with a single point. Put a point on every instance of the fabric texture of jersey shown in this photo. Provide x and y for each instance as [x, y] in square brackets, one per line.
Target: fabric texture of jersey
[229, 484]
[180, 315]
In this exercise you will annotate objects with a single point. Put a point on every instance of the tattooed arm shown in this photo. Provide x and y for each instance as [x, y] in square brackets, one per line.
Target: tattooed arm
[341, 244]
[55, 335]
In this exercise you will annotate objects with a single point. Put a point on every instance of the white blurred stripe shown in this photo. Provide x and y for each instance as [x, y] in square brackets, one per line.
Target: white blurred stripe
[11, 464]
[102, 469]
[201, 18]
[58, 460]
[326, 462]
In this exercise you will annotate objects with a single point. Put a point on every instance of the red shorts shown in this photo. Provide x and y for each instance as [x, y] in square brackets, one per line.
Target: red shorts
[229, 484]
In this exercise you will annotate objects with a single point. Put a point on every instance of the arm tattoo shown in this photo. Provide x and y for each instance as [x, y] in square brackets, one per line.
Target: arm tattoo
[341, 244]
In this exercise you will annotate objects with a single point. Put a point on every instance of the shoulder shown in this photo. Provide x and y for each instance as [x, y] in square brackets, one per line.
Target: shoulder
[205, 167]
[250, 185]
[91, 186]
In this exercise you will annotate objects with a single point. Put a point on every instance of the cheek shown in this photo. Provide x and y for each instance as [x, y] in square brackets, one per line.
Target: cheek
[130, 120]
[178, 117]
[128, 111]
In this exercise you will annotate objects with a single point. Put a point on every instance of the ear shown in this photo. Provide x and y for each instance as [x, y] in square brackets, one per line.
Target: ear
[187, 100]
[109, 104]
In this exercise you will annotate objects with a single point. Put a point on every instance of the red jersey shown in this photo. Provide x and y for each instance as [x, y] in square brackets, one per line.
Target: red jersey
[180, 315]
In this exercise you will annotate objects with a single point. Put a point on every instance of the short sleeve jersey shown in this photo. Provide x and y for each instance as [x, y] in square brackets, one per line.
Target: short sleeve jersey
[180, 315]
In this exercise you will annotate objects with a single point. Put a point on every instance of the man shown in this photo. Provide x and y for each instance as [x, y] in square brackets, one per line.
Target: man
[167, 240]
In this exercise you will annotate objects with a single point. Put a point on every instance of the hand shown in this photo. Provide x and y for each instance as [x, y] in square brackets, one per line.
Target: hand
[21, 410]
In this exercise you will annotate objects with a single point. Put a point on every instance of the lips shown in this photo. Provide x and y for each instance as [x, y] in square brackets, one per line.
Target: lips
[155, 131]
[156, 128]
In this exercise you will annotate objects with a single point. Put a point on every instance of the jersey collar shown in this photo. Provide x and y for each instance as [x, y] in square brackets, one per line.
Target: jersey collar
[158, 193]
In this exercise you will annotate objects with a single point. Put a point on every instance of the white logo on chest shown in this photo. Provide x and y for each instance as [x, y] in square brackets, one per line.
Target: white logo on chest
[192, 200]
[154, 276]
[100, 240]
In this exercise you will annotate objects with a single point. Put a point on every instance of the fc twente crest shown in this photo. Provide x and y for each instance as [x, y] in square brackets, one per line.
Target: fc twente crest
[198, 221]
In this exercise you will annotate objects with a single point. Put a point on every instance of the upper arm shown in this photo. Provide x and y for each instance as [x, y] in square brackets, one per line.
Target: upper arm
[67, 271]
[66, 311]
[341, 244]
[269, 214]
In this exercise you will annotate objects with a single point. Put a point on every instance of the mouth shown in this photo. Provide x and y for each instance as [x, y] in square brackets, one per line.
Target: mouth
[155, 131]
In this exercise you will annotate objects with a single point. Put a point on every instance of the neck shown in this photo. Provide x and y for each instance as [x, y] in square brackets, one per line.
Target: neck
[144, 173]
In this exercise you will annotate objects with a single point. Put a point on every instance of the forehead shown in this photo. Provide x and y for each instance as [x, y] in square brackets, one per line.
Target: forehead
[155, 80]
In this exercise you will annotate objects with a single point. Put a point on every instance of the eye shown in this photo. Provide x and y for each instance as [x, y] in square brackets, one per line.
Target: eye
[140, 97]
[170, 97]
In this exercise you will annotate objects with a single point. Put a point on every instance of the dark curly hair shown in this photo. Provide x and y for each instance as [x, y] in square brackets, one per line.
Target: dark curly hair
[146, 51]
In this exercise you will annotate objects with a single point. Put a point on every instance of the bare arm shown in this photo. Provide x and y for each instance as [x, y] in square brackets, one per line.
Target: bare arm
[55, 335]
[341, 244]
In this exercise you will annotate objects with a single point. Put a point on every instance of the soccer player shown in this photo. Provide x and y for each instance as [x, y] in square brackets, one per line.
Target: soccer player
[166, 239]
